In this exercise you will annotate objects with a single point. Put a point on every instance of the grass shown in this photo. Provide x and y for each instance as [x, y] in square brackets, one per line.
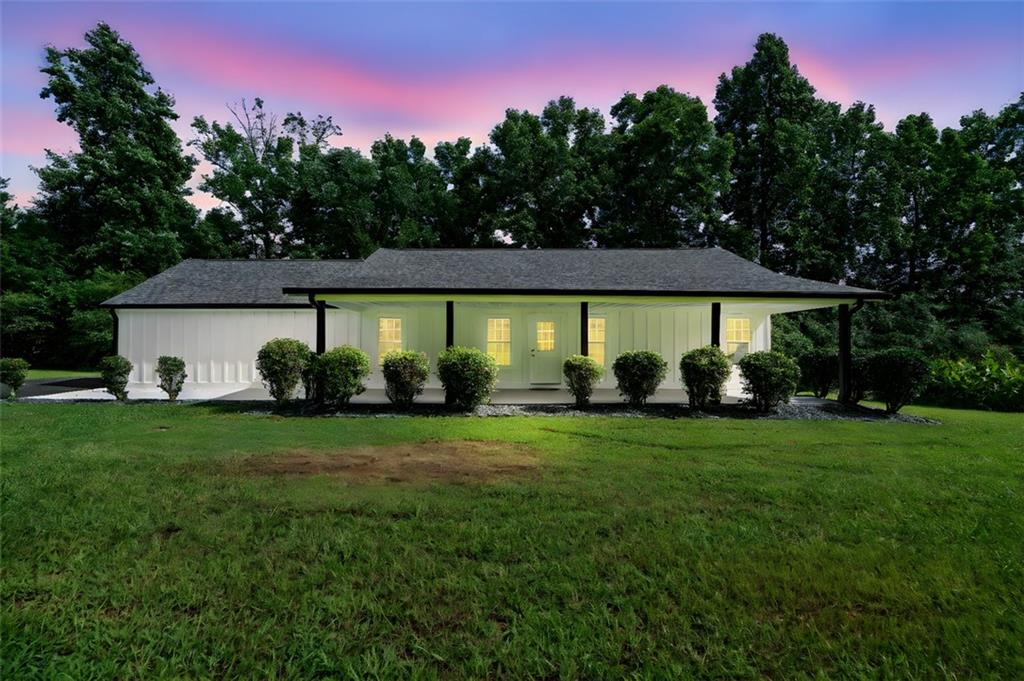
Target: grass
[139, 542]
[61, 373]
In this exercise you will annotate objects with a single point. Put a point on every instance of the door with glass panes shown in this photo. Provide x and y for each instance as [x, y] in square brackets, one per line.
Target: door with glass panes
[545, 347]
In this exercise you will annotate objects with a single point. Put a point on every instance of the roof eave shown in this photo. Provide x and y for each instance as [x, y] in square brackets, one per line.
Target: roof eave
[851, 295]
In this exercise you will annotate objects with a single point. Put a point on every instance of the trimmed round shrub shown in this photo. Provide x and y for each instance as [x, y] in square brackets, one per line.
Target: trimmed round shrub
[819, 371]
[310, 377]
[468, 376]
[13, 371]
[705, 371]
[897, 376]
[581, 375]
[639, 373]
[341, 372]
[171, 371]
[281, 363]
[770, 378]
[405, 373]
[114, 371]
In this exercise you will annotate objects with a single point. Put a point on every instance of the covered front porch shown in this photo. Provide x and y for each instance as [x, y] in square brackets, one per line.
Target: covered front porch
[531, 335]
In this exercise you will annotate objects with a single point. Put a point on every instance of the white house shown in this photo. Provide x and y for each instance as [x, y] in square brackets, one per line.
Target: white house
[530, 309]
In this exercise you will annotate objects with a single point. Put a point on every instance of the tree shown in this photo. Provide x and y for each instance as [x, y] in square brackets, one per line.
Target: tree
[546, 175]
[121, 201]
[332, 210]
[406, 195]
[462, 219]
[218, 234]
[767, 108]
[998, 294]
[254, 168]
[668, 170]
[853, 199]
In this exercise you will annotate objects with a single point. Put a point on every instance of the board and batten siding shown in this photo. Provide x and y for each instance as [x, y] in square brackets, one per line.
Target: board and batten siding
[219, 345]
[423, 330]
[669, 330]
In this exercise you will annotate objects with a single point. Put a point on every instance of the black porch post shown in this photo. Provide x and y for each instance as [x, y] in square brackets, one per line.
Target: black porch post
[321, 327]
[321, 323]
[584, 329]
[845, 354]
[716, 324]
[449, 323]
[113, 318]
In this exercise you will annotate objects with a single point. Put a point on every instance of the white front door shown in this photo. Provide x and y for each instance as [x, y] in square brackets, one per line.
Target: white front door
[545, 346]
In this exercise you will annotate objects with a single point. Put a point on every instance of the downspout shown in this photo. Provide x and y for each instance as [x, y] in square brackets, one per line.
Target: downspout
[114, 319]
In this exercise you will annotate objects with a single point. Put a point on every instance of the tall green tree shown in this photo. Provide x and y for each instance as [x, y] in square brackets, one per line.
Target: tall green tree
[667, 171]
[254, 168]
[853, 198]
[464, 172]
[768, 110]
[120, 202]
[546, 175]
[332, 210]
[907, 250]
[407, 193]
[218, 234]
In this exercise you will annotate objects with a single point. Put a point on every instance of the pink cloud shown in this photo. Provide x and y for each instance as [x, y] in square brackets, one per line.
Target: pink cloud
[236, 66]
[28, 132]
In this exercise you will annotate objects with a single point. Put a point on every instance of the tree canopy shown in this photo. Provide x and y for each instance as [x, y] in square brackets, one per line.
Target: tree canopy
[803, 185]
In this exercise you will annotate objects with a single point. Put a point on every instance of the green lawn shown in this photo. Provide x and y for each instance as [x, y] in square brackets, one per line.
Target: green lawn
[149, 541]
[61, 373]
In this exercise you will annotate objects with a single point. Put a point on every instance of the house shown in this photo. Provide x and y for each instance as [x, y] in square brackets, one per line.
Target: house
[529, 309]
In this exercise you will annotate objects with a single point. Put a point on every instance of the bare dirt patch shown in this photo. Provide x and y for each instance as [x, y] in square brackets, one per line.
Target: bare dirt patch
[453, 461]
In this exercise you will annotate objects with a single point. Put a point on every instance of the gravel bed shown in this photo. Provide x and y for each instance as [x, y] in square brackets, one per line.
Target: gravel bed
[798, 410]
[833, 411]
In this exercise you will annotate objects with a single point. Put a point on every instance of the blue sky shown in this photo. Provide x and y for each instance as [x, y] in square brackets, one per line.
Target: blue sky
[440, 70]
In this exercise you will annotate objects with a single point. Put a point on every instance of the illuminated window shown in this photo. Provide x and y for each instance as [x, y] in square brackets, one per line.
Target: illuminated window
[389, 335]
[737, 334]
[595, 339]
[545, 336]
[499, 341]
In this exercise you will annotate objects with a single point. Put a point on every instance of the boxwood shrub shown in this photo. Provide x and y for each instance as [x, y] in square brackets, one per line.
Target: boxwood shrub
[819, 371]
[114, 372]
[704, 372]
[897, 376]
[581, 375]
[770, 378]
[405, 373]
[639, 373]
[341, 372]
[310, 377]
[468, 376]
[281, 363]
[13, 371]
[171, 372]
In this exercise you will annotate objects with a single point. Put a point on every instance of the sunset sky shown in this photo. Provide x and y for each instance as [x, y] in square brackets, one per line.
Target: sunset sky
[439, 71]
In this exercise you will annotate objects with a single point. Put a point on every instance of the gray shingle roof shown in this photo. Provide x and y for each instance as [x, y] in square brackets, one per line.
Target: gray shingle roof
[638, 271]
[212, 283]
[698, 271]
